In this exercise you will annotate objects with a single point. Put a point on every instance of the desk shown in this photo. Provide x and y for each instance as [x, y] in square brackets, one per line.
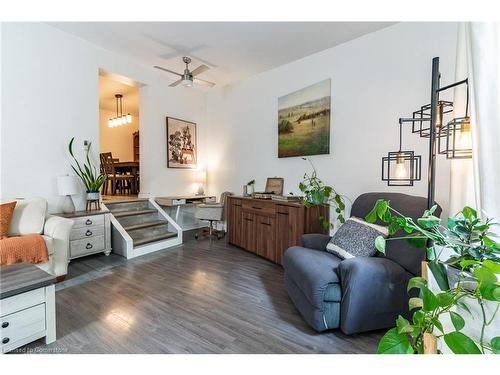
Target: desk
[131, 167]
[181, 200]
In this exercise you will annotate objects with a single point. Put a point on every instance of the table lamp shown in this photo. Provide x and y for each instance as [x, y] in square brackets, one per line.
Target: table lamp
[201, 178]
[67, 186]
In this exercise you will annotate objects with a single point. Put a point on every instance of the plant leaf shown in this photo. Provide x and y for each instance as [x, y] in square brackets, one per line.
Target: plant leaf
[492, 266]
[416, 282]
[445, 299]
[495, 344]
[403, 325]
[460, 344]
[372, 215]
[490, 291]
[438, 270]
[428, 222]
[469, 213]
[429, 299]
[457, 320]
[417, 242]
[394, 343]
[437, 324]
[415, 303]
[380, 244]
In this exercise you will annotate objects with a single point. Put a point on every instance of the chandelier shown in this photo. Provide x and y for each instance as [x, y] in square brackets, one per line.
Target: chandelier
[120, 118]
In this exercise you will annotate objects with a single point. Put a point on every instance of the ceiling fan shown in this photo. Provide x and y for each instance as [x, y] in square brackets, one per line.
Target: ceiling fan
[188, 77]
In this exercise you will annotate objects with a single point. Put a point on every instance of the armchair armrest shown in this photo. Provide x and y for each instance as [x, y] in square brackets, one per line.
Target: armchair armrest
[373, 293]
[315, 241]
[59, 228]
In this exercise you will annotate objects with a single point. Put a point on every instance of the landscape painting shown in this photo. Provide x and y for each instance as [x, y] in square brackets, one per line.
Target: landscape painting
[304, 121]
[181, 143]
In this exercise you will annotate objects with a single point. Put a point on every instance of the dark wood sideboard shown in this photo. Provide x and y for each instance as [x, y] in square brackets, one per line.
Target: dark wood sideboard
[267, 228]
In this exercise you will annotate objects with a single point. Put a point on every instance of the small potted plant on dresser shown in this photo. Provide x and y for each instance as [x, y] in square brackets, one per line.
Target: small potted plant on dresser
[87, 172]
[456, 308]
[316, 193]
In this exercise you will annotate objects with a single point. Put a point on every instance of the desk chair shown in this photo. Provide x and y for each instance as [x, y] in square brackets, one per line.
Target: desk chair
[213, 213]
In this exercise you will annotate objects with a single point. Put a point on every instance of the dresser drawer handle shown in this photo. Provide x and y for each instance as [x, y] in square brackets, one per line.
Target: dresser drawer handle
[88, 233]
[89, 246]
[265, 223]
[88, 222]
[257, 208]
[5, 340]
[5, 324]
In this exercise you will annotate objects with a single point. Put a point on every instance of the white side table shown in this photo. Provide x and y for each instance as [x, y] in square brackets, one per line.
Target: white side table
[27, 306]
[91, 233]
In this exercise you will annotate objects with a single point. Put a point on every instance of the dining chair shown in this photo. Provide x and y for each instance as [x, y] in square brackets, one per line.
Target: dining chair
[118, 181]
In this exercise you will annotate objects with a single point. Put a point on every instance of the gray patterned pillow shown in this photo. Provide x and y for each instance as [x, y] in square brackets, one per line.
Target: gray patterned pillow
[356, 238]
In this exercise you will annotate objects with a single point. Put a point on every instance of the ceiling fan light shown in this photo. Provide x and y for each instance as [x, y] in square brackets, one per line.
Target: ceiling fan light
[129, 118]
[110, 123]
[187, 83]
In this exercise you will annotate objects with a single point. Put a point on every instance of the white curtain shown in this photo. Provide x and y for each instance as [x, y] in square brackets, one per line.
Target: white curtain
[480, 44]
[462, 192]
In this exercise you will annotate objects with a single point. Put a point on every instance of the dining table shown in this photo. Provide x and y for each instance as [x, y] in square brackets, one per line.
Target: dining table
[129, 167]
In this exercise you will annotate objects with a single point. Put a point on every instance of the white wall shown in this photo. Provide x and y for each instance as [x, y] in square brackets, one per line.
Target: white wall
[118, 140]
[375, 80]
[50, 94]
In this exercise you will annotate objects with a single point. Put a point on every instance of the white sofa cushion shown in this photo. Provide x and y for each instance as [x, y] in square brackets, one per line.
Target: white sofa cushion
[28, 217]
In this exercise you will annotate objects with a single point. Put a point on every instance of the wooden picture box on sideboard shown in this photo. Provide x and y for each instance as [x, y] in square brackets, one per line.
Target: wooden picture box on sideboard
[267, 228]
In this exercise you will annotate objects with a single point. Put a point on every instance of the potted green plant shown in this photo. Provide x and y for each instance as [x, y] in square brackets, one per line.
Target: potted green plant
[476, 258]
[87, 173]
[315, 192]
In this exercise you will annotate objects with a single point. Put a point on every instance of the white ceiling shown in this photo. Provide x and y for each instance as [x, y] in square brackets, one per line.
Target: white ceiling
[233, 50]
[109, 86]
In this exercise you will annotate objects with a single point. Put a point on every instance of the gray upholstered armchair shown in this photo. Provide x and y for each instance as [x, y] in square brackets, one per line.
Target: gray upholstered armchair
[357, 294]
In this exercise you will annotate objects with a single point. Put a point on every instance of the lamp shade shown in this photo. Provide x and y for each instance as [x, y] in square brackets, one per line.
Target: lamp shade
[68, 185]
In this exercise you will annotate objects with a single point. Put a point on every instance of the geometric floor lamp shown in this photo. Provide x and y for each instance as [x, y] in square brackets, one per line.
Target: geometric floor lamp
[452, 138]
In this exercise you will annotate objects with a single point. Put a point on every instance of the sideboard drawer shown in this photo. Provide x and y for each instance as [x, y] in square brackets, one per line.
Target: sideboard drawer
[22, 324]
[85, 232]
[261, 208]
[87, 221]
[21, 301]
[87, 246]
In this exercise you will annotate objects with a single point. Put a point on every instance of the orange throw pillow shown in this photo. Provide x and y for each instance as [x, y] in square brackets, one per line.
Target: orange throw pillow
[6, 211]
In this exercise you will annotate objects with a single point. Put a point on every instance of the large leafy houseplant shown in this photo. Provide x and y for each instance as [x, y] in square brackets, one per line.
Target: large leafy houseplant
[475, 253]
[87, 171]
[315, 192]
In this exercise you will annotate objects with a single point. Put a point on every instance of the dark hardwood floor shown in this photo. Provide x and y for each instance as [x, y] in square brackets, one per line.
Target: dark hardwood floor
[200, 297]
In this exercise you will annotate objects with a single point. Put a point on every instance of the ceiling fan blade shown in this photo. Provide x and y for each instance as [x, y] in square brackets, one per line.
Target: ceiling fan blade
[166, 70]
[202, 82]
[175, 83]
[199, 70]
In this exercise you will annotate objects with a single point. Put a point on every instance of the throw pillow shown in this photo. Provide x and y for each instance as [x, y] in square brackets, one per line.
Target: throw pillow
[6, 212]
[356, 238]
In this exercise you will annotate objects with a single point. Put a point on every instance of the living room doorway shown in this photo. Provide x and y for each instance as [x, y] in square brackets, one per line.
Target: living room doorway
[119, 124]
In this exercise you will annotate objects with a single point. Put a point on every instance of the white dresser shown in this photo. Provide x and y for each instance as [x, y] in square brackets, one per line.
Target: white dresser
[27, 306]
[91, 233]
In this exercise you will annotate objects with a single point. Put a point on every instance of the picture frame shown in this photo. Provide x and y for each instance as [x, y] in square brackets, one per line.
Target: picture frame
[182, 143]
[274, 185]
[304, 118]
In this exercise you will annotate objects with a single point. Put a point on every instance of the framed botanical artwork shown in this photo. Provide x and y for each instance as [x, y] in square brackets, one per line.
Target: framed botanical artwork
[304, 121]
[181, 144]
